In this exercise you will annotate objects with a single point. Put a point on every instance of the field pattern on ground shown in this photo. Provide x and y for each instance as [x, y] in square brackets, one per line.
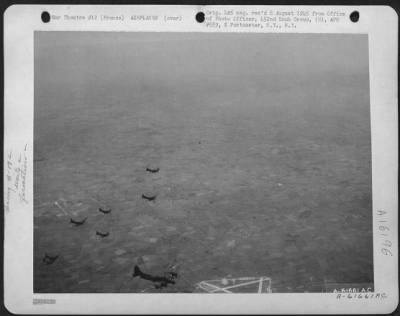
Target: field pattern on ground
[264, 170]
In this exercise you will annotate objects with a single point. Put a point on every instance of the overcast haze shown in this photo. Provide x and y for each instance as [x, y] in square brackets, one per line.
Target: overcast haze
[262, 143]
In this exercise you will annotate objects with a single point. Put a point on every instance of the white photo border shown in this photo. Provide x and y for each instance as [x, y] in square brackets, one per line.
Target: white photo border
[20, 23]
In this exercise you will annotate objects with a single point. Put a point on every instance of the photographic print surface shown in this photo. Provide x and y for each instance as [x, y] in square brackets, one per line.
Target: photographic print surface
[201, 162]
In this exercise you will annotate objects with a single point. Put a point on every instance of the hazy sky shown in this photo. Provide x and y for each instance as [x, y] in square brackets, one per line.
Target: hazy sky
[93, 67]
[192, 53]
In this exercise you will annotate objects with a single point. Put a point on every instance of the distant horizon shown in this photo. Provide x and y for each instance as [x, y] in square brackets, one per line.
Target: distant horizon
[262, 146]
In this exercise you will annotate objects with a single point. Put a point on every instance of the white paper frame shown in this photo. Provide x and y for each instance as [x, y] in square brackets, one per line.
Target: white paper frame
[20, 22]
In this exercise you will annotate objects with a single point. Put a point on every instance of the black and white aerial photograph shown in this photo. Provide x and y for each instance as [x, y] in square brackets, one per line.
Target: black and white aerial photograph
[184, 162]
